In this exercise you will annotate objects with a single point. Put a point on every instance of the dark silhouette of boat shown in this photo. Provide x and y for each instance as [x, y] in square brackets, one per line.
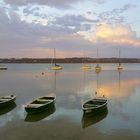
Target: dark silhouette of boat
[2, 67]
[93, 118]
[8, 108]
[40, 116]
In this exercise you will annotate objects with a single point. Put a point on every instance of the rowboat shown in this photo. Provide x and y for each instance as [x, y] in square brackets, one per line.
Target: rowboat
[40, 104]
[91, 119]
[95, 105]
[7, 100]
[3, 67]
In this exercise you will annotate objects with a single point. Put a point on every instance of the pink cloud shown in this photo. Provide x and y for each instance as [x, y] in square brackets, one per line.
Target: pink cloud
[121, 35]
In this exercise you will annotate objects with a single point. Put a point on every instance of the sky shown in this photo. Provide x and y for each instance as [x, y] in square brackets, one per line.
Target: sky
[75, 28]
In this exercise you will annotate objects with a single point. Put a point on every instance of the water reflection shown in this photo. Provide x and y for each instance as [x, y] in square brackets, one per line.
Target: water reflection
[90, 119]
[7, 108]
[72, 88]
[54, 75]
[119, 71]
[40, 116]
[119, 87]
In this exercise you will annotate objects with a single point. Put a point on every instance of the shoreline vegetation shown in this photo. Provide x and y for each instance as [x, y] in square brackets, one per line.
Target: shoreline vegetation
[70, 60]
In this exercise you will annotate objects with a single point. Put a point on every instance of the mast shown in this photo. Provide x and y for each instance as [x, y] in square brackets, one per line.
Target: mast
[119, 57]
[54, 56]
[97, 52]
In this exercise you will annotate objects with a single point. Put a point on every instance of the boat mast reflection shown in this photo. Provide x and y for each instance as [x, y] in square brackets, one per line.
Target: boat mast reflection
[119, 71]
[55, 73]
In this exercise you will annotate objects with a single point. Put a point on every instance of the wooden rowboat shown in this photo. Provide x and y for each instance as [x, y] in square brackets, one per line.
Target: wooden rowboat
[40, 104]
[95, 105]
[7, 100]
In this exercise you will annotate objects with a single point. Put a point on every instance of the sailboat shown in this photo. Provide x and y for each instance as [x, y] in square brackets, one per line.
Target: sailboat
[97, 67]
[55, 66]
[119, 66]
[85, 66]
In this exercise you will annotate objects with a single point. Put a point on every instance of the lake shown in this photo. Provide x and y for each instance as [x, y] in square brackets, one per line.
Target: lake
[72, 88]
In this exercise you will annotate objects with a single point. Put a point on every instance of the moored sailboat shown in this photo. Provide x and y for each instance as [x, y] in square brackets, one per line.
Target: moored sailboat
[55, 66]
[85, 66]
[97, 67]
[119, 67]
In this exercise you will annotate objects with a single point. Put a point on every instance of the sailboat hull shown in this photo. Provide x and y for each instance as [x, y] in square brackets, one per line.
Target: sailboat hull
[86, 67]
[56, 68]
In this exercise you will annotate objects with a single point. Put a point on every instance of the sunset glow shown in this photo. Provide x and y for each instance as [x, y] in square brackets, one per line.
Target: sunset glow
[70, 27]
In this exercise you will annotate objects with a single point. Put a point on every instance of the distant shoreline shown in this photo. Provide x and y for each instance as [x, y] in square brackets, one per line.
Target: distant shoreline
[70, 60]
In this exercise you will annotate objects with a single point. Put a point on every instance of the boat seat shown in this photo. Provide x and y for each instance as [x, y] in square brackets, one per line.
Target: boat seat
[3, 99]
[90, 105]
[34, 105]
[43, 100]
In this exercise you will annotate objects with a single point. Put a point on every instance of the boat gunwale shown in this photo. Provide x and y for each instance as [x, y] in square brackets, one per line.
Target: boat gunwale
[8, 99]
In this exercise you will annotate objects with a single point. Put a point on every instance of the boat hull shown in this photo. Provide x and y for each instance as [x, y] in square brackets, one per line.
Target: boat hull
[95, 110]
[85, 67]
[39, 109]
[3, 68]
[56, 68]
[120, 68]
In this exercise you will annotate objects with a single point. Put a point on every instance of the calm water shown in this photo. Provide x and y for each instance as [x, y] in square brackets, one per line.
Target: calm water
[72, 87]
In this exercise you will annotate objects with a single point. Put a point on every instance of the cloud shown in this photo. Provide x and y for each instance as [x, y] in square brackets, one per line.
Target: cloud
[52, 3]
[21, 39]
[116, 15]
[75, 22]
[121, 35]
